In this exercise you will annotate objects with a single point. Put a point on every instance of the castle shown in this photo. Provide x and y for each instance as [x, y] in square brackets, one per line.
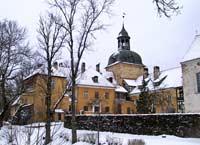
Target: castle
[115, 90]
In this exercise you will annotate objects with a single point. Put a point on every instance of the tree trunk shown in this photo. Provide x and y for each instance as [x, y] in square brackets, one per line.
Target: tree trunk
[73, 121]
[48, 106]
[5, 105]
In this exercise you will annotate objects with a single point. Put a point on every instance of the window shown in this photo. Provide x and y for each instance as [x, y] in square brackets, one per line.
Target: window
[110, 79]
[128, 110]
[107, 109]
[29, 87]
[85, 108]
[96, 109]
[96, 95]
[198, 82]
[59, 116]
[169, 98]
[53, 83]
[106, 95]
[95, 79]
[85, 94]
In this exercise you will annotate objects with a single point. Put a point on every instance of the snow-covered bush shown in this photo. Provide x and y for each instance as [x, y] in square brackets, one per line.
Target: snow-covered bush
[89, 138]
[113, 140]
[136, 142]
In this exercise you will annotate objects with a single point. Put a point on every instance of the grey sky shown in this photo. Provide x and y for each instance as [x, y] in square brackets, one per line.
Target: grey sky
[159, 41]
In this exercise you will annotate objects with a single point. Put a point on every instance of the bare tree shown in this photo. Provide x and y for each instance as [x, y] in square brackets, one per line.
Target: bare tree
[80, 19]
[12, 51]
[167, 7]
[51, 40]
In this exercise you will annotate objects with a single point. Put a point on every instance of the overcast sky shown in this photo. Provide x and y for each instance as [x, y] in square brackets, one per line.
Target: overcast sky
[159, 41]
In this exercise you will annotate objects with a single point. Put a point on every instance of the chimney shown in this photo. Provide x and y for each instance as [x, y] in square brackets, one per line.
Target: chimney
[83, 67]
[98, 67]
[55, 65]
[156, 72]
[146, 72]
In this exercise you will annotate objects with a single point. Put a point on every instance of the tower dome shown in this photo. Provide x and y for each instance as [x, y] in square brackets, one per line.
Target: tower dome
[125, 56]
[124, 53]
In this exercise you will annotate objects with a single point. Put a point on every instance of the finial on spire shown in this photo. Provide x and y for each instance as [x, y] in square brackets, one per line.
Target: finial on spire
[123, 16]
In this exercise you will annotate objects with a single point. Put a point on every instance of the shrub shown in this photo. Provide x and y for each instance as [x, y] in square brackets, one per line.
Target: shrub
[90, 138]
[113, 140]
[136, 142]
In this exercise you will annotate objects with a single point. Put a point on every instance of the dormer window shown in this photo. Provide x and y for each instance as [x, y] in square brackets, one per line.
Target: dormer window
[95, 79]
[110, 79]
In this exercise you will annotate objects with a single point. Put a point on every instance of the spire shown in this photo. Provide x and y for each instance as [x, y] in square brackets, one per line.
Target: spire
[123, 37]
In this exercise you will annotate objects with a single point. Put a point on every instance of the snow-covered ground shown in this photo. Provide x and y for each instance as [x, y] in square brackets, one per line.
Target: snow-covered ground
[33, 135]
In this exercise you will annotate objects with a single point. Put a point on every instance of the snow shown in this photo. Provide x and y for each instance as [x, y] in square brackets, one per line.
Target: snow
[130, 82]
[194, 50]
[16, 101]
[109, 74]
[120, 89]
[59, 111]
[59, 72]
[62, 136]
[85, 79]
[173, 79]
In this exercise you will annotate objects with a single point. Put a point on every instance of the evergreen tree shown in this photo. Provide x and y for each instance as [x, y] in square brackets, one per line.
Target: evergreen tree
[145, 101]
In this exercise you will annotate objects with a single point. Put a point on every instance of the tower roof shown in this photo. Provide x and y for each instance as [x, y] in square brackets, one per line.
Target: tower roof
[125, 56]
[124, 53]
[193, 52]
[123, 32]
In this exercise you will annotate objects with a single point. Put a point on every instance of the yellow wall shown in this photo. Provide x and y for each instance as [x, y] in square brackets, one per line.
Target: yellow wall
[162, 99]
[128, 104]
[125, 71]
[37, 96]
[81, 101]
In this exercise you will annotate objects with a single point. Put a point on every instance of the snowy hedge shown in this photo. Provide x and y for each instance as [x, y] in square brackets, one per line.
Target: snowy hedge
[183, 125]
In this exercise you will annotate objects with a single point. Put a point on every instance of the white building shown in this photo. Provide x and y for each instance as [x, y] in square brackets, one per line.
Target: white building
[191, 76]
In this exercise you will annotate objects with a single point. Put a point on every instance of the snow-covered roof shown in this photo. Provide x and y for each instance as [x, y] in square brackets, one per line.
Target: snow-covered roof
[130, 82]
[59, 72]
[194, 50]
[120, 89]
[173, 79]
[109, 74]
[85, 79]
[170, 78]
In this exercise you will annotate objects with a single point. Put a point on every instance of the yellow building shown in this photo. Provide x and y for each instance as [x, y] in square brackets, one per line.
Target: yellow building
[165, 89]
[125, 64]
[95, 94]
[35, 92]
[114, 91]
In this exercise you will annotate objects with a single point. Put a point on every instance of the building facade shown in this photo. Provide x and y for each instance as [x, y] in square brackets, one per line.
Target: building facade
[191, 76]
[115, 90]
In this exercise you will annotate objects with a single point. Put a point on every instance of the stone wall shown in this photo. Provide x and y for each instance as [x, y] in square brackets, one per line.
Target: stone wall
[183, 125]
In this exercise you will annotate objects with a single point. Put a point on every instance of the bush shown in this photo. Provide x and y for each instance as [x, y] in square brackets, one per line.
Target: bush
[113, 140]
[136, 142]
[90, 138]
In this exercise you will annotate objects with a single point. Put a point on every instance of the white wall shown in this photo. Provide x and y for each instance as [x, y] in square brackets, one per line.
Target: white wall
[191, 95]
